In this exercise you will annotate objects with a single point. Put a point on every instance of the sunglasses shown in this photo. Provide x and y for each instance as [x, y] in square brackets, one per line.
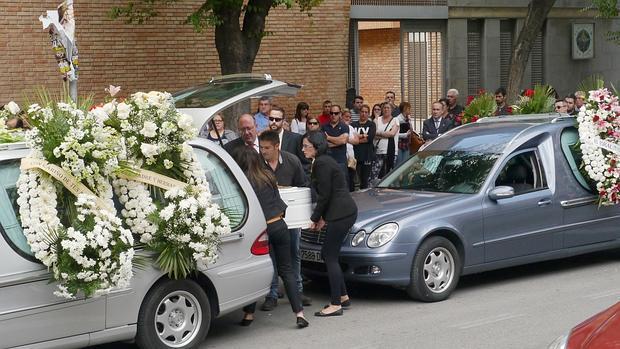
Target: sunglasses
[335, 113]
[275, 119]
[313, 123]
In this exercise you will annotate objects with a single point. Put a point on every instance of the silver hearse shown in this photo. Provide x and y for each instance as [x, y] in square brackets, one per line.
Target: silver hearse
[154, 310]
[497, 193]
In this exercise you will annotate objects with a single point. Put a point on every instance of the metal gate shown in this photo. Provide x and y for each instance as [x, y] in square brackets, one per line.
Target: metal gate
[422, 71]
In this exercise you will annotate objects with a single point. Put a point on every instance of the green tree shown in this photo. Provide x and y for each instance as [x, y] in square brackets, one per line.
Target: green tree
[607, 9]
[237, 42]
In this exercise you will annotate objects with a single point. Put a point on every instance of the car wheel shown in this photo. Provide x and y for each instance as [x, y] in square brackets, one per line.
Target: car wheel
[174, 314]
[435, 271]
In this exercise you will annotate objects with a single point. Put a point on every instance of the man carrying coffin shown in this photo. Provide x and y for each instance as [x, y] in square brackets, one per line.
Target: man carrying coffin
[289, 173]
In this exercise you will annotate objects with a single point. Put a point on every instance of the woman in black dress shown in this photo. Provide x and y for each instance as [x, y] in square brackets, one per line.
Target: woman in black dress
[334, 206]
[264, 183]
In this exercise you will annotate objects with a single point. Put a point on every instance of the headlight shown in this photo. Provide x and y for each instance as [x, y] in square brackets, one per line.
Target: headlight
[358, 238]
[382, 235]
[559, 343]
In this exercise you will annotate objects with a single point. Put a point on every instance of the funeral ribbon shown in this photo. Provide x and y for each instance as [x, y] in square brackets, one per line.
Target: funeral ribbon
[153, 178]
[612, 147]
[65, 178]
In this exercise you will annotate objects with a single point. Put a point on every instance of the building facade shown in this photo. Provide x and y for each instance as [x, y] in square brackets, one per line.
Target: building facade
[417, 48]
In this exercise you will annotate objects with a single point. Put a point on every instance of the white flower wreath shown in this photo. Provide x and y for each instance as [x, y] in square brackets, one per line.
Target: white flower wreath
[185, 232]
[85, 245]
[599, 134]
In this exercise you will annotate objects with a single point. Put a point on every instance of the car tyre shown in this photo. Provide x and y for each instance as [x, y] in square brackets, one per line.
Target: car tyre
[435, 271]
[174, 314]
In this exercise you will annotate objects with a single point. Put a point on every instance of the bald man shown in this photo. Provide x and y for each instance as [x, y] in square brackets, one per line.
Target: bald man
[247, 134]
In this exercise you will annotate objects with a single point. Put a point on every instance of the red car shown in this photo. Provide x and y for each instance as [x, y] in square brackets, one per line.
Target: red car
[601, 331]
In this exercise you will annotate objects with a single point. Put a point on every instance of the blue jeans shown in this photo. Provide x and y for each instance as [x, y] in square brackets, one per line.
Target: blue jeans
[296, 264]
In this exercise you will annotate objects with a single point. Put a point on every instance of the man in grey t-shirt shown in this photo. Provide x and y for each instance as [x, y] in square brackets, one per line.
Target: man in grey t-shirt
[289, 173]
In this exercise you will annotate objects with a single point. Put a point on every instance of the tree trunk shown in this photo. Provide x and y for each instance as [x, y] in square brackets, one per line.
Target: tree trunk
[537, 12]
[237, 47]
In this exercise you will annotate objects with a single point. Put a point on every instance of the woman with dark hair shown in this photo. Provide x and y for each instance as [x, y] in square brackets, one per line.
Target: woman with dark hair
[376, 112]
[298, 124]
[334, 206]
[264, 183]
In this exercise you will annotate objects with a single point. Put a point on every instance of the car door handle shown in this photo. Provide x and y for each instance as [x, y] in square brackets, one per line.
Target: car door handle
[544, 202]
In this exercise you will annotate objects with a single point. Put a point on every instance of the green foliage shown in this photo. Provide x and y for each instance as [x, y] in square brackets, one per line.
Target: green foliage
[209, 14]
[592, 82]
[606, 8]
[540, 100]
[482, 106]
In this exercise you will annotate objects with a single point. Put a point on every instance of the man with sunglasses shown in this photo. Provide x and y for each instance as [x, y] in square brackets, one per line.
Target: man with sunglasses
[289, 141]
[337, 133]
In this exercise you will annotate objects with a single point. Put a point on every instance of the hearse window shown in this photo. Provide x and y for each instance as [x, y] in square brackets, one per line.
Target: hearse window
[569, 140]
[9, 209]
[523, 172]
[225, 189]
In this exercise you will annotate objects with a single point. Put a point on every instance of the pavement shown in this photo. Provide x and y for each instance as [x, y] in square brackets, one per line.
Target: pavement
[522, 307]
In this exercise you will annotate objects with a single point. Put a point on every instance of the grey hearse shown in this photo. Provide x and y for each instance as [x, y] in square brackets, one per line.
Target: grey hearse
[496, 193]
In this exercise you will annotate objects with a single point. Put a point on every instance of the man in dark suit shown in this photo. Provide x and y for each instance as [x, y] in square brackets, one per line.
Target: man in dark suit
[289, 141]
[436, 125]
[247, 135]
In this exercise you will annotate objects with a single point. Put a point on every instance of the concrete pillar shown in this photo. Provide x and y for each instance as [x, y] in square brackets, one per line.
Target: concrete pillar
[490, 55]
[456, 60]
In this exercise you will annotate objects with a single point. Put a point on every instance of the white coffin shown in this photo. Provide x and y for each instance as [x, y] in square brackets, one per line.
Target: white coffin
[299, 202]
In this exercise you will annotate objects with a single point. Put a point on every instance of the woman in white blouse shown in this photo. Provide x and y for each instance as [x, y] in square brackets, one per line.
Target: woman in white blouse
[386, 140]
[298, 124]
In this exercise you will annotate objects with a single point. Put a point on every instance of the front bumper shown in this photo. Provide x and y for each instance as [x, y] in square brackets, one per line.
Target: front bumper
[388, 265]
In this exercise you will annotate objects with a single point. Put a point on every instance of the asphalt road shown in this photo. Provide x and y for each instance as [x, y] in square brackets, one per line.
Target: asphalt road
[522, 307]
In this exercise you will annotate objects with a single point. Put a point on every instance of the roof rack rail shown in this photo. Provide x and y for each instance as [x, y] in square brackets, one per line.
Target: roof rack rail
[245, 76]
[548, 117]
[13, 146]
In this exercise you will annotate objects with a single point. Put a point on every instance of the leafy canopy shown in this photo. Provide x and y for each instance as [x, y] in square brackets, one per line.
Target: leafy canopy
[210, 14]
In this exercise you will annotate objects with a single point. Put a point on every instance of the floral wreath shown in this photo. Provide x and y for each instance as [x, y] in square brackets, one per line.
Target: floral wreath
[73, 154]
[599, 134]
[185, 231]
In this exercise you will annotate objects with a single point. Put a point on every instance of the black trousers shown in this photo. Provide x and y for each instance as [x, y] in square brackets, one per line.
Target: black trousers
[280, 244]
[336, 232]
[363, 173]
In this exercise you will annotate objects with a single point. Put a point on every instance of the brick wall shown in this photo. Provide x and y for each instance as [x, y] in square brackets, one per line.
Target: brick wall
[166, 54]
[379, 62]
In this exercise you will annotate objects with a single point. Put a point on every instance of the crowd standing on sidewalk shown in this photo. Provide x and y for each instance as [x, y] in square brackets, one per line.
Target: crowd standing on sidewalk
[335, 152]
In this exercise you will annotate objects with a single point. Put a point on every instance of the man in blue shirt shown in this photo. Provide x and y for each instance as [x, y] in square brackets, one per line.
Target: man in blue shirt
[337, 133]
[262, 117]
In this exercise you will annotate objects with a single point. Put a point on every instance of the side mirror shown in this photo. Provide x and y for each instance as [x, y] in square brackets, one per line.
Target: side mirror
[501, 192]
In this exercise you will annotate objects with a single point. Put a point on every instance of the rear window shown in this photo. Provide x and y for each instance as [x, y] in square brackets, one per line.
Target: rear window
[211, 94]
[9, 209]
[569, 141]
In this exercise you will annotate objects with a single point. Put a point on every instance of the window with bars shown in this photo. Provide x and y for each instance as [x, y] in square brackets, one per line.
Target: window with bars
[474, 56]
[422, 72]
[506, 34]
[352, 67]
[400, 2]
[536, 59]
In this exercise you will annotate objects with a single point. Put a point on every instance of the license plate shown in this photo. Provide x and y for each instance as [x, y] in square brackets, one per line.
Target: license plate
[311, 256]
